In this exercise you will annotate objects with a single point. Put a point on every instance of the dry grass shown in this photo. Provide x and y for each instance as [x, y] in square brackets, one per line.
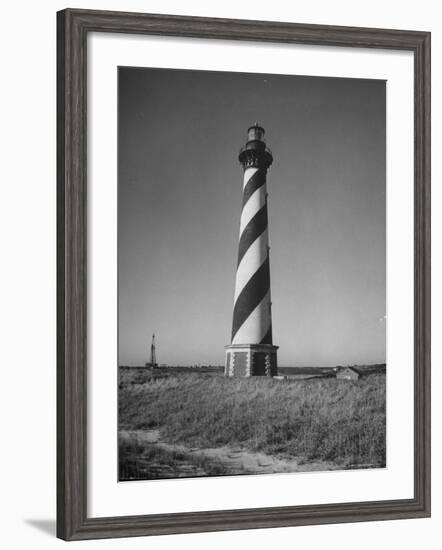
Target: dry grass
[138, 461]
[320, 419]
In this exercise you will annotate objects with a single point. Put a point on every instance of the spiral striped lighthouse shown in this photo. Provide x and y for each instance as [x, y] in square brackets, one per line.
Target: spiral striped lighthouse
[251, 352]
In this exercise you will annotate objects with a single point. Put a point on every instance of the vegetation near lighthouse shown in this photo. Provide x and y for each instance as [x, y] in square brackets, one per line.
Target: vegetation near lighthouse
[324, 422]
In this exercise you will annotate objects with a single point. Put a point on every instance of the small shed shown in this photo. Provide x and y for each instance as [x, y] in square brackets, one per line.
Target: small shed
[347, 373]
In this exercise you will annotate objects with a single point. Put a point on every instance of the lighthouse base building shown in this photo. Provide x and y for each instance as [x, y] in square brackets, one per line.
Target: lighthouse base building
[251, 351]
[251, 360]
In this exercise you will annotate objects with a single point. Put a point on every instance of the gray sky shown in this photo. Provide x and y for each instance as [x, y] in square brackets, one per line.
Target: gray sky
[180, 186]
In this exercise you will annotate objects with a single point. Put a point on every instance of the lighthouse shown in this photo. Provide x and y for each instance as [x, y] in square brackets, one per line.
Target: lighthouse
[251, 351]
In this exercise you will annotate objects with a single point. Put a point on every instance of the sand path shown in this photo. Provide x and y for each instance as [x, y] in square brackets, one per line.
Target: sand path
[236, 460]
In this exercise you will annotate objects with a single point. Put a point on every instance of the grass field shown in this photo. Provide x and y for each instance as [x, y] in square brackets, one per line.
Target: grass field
[336, 422]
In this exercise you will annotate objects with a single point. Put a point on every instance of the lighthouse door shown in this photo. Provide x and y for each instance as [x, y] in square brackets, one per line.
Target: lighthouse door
[259, 363]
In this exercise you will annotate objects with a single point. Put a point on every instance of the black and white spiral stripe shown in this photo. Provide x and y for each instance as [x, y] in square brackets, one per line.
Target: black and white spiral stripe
[251, 314]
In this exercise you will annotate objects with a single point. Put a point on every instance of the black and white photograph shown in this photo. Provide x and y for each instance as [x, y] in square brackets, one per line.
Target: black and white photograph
[220, 299]
[251, 273]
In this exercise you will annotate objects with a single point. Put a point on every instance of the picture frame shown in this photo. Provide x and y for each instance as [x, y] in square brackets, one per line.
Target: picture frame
[73, 28]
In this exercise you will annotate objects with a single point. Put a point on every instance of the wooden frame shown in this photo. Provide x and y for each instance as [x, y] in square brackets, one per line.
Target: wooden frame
[73, 27]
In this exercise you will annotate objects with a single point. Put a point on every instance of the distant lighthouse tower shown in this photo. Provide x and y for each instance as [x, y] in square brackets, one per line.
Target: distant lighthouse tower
[153, 354]
[251, 352]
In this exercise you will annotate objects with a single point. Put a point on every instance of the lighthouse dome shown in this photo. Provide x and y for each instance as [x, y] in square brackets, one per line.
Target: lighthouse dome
[255, 133]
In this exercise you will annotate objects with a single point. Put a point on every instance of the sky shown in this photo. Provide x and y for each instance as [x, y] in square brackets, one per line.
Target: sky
[179, 206]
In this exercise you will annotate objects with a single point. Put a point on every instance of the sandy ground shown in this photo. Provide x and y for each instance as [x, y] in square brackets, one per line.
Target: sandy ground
[235, 460]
